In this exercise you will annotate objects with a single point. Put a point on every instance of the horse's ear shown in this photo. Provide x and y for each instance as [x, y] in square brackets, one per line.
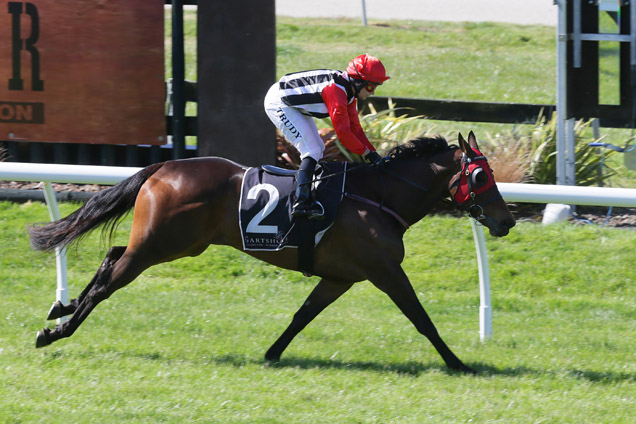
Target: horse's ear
[472, 141]
[465, 145]
[462, 142]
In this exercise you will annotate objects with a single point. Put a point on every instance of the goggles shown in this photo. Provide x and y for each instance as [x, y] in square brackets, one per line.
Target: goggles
[370, 86]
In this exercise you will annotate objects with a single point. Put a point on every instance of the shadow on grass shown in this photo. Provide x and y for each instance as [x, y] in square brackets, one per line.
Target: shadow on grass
[411, 368]
[603, 377]
[489, 370]
[406, 368]
[417, 368]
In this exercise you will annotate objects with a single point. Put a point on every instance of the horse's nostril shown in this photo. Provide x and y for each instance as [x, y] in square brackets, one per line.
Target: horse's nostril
[510, 222]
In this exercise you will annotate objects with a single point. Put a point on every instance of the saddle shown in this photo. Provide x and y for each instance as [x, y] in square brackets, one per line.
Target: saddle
[267, 196]
[282, 172]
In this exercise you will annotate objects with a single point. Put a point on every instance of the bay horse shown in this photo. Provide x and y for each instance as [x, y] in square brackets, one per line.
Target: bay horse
[183, 206]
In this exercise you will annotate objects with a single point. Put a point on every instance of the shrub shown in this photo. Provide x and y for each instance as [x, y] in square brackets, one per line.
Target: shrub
[509, 158]
[535, 153]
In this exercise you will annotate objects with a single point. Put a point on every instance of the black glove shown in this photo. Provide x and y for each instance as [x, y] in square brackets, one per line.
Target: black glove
[374, 159]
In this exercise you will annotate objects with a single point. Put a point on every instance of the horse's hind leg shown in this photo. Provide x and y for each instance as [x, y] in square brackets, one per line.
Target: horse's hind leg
[59, 310]
[325, 293]
[112, 275]
[394, 282]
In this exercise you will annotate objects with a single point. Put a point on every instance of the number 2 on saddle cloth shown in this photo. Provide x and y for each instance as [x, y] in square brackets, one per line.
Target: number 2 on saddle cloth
[265, 209]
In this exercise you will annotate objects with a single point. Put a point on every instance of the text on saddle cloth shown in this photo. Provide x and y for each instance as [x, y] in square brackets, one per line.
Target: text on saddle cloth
[266, 203]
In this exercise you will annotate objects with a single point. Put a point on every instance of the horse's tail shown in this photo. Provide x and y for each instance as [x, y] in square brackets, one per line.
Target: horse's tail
[106, 207]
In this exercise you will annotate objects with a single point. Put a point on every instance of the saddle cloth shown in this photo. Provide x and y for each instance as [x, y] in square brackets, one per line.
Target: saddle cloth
[266, 203]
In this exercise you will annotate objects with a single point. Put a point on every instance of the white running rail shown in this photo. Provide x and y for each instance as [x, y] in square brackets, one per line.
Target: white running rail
[522, 193]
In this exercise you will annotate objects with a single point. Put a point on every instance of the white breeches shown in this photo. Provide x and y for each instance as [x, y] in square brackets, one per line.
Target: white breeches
[300, 130]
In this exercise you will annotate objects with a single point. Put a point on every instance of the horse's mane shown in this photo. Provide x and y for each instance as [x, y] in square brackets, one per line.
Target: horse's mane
[420, 147]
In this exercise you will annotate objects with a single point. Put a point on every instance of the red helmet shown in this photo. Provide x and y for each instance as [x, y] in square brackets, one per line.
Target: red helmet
[368, 68]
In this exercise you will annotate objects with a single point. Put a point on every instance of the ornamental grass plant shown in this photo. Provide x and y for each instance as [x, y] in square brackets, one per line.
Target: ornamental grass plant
[529, 154]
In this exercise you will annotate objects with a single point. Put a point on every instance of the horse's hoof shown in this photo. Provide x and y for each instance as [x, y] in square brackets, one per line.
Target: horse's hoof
[41, 338]
[272, 358]
[56, 311]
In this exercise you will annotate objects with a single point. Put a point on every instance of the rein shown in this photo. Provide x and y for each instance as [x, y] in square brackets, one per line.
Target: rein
[372, 202]
[406, 180]
[461, 189]
[345, 171]
[470, 205]
[385, 170]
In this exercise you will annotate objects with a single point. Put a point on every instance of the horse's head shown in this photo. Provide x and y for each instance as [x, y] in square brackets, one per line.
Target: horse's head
[474, 189]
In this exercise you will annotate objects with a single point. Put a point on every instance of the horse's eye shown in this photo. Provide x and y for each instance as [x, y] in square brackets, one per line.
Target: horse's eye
[478, 177]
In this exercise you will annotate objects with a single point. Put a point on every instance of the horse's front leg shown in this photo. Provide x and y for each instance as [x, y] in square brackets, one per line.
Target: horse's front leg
[59, 310]
[393, 281]
[325, 293]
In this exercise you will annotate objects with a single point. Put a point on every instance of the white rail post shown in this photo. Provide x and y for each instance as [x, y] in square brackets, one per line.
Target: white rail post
[61, 293]
[364, 13]
[561, 100]
[485, 310]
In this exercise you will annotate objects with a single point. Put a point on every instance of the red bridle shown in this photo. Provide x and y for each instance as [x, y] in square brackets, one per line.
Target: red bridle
[464, 187]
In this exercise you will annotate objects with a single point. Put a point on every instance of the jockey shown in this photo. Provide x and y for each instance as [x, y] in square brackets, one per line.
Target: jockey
[297, 98]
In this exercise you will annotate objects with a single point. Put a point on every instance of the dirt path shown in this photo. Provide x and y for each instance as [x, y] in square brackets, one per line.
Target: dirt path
[526, 12]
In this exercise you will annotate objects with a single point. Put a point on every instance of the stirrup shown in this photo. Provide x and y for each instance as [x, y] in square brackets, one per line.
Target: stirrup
[311, 211]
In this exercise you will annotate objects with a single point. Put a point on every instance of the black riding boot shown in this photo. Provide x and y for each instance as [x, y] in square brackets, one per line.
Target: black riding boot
[304, 205]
